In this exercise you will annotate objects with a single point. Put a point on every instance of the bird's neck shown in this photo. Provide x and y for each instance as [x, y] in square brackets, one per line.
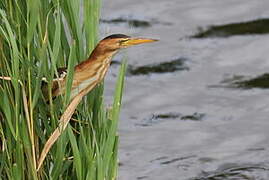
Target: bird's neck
[103, 56]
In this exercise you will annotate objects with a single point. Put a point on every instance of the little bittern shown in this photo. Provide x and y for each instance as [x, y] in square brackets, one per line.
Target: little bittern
[92, 71]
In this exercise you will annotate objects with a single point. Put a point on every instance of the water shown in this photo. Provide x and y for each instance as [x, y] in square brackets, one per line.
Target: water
[194, 107]
[254, 27]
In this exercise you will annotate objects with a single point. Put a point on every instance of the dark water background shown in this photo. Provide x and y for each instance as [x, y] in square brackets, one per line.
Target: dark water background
[196, 104]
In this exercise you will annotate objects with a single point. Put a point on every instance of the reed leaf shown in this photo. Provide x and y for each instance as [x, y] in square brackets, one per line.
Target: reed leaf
[36, 38]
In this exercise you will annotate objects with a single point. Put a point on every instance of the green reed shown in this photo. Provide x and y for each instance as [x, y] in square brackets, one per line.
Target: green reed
[36, 38]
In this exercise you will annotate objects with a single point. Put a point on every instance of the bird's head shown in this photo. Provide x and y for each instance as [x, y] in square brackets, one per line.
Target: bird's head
[119, 41]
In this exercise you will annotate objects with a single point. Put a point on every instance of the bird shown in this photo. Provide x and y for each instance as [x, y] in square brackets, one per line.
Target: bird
[90, 72]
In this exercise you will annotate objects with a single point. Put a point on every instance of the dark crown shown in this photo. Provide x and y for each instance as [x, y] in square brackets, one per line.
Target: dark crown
[114, 36]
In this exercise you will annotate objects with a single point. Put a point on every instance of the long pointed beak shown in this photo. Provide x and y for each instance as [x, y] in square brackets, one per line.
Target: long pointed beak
[135, 41]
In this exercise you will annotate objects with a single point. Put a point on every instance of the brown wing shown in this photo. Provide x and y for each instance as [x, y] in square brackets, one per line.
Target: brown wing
[56, 83]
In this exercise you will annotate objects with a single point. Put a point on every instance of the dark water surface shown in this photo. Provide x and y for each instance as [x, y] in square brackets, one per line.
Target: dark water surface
[254, 27]
[196, 104]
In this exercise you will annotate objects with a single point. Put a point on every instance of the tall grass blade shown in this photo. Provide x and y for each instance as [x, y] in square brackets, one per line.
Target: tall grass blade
[36, 38]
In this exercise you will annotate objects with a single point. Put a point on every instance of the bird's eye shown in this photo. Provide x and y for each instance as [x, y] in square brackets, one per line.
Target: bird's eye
[123, 41]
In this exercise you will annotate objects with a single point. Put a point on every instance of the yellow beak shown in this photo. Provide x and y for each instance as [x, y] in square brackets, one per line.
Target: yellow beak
[135, 41]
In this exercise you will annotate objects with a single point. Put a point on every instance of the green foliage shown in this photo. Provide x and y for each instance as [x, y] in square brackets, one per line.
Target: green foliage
[36, 38]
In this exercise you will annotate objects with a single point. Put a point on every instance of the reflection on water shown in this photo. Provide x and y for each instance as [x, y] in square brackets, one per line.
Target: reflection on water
[142, 177]
[176, 159]
[259, 26]
[194, 117]
[261, 81]
[166, 116]
[131, 22]
[156, 118]
[234, 172]
[165, 67]
[134, 22]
